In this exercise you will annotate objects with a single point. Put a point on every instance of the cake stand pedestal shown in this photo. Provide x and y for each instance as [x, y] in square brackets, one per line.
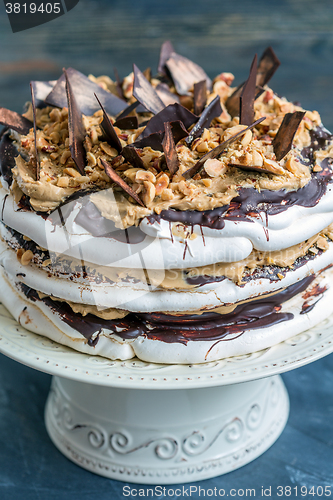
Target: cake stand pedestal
[114, 419]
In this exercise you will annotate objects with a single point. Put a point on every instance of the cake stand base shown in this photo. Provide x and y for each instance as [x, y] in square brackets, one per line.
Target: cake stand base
[165, 436]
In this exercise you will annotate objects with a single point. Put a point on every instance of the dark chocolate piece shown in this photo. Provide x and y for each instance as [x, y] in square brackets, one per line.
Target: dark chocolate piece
[268, 64]
[200, 96]
[254, 169]
[166, 51]
[173, 112]
[165, 94]
[185, 73]
[131, 156]
[119, 86]
[118, 180]
[109, 133]
[15, 121]
[37, 161]
[283, 140]
[169, 149]
[246, 104]
[8, 153]
[127, 123]
[41, 91]
[145, 93]
[214, 153]
[128, 110]
[210, 112]
[76, 128]
[155, 140]
[84, 90]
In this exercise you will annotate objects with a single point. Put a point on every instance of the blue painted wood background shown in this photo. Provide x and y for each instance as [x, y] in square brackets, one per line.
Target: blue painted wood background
[95, 37]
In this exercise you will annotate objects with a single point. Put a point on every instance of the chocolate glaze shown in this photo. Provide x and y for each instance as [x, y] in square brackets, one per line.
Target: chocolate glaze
[251, 202]
[91, 219]
[180, 329]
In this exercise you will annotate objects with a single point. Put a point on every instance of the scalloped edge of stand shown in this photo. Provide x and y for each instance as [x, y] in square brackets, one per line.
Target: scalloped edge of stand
[50, 357]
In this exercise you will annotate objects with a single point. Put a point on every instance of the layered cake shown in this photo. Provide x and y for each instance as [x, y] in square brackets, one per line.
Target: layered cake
[171, 217]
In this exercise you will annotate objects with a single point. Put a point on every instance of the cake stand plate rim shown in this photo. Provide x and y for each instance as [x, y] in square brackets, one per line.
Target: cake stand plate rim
[50, 357]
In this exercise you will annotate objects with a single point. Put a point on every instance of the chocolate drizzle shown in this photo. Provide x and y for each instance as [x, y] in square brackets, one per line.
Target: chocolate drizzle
[251, 202]
[210, 326]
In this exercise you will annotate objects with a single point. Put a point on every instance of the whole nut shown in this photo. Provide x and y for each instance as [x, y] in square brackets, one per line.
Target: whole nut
[161, 184]
[26, 257]
[148, 193]
[214, 168]
[145, 175]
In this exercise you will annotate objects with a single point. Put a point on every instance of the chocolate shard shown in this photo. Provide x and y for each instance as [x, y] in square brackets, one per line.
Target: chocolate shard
[166, 51]
[128, 110]
[109, 133]
[144, 92]
[131, 156]
[169, 149]
[118, 180]
[185, 73]
[41, 91]
[84, 90]
[179, 131]
[8, 153]
[127, 123]
[119, 86]
[15, 121]
[165, 94]
[283, 140]
[173, 112]
[253, 169]
[210, 112]
[268, 64]
[246, 104]
[200, 97]
[214, 153]
[155, 140]
[76, 128]
[37, 160]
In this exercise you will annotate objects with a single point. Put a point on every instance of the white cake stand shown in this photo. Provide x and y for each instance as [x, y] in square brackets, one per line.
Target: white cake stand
[164, 424]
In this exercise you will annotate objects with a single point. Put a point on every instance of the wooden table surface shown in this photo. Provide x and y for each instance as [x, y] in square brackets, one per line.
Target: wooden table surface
[95, 37]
